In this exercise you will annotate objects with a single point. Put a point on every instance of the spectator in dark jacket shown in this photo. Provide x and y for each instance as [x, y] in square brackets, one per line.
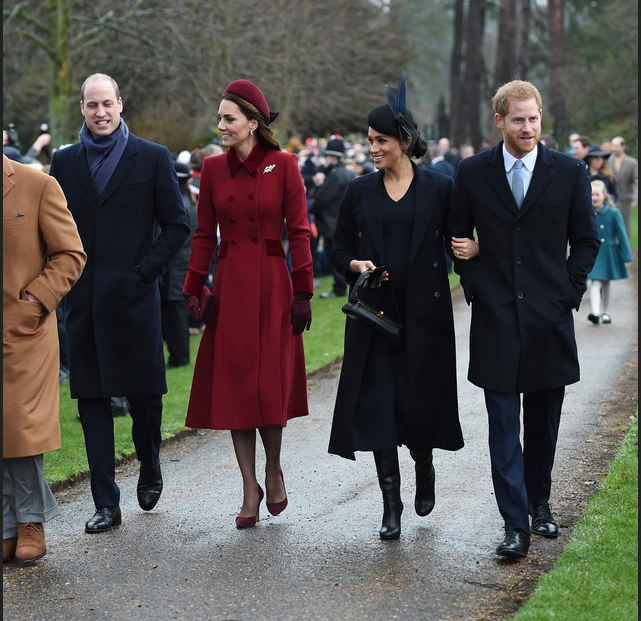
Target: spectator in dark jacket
[326, 205]
[175, 322]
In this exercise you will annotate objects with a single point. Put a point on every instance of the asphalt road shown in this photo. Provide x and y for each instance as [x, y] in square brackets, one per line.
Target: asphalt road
[322, 559]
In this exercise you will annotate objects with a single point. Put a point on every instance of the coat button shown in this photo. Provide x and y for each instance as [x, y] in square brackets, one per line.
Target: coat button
[436, 233]
[603, 226]
[437, 294]
[518, 227]
[603, 240]
[233, 242]
[232, 220]
[250, 197]
[231, 197]
[520, 295]
[519, 260]
[254, 174]
[435, 264]
[255, 241]
[252, 219]
[360, 235]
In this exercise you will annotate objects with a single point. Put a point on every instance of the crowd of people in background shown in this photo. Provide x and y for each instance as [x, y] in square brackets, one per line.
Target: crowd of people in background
[327, 165]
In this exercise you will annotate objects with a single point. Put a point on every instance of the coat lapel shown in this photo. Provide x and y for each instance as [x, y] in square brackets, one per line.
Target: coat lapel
[125, 165]
[373, 210]
[424, 202]
[7, 170]
[495, 172]
[81, 168]
[543, 175]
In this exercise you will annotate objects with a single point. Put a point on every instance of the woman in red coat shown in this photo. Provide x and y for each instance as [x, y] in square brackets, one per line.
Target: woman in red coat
[250, 371]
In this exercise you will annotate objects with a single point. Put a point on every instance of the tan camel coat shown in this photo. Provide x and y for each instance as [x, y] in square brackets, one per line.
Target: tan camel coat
[42, 254]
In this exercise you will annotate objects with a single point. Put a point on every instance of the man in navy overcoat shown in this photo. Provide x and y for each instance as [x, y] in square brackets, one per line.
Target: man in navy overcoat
[527, 204]
[118, 187]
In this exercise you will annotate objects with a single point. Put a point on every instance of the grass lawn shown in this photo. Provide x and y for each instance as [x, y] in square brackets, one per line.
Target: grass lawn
[634, 237]
[323, 345]
[596, 579]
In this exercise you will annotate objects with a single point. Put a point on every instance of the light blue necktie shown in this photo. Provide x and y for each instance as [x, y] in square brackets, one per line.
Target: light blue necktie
[518, 189]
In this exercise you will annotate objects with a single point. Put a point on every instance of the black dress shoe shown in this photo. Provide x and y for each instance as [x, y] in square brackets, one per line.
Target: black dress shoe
[595, 319]
[425, 482]
[104, 520]
[543, 522]
[149, 486]
[515, 545]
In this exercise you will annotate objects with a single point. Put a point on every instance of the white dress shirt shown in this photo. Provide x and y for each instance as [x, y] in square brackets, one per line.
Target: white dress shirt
[529, 162]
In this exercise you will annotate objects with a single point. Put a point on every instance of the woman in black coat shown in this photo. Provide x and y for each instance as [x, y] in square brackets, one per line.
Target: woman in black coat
[403, 392]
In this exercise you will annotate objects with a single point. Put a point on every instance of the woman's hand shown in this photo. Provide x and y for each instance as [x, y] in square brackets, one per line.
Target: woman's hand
[358, 267]
[465, 248]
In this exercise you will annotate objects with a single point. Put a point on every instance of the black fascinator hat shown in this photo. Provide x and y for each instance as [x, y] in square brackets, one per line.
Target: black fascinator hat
[395, 118]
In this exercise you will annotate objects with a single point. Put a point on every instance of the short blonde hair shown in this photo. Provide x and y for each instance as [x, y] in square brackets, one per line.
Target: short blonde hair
[518, 90]
[597, 183]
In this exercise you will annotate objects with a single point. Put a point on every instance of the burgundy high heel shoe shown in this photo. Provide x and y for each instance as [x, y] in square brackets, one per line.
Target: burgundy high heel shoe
[277, 508]
[250, 522]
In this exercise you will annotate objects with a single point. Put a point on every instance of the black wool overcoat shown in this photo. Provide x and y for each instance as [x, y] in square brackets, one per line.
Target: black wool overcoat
[524, 285]
[113, 312]
[429, 322]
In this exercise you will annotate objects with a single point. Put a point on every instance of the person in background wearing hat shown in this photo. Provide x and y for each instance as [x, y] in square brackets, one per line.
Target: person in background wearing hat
[327, 203]
[394, 393]
[119, 187]
[42, 258]
[250, 371]
[599, 170]
[174, 319]
[527, 203]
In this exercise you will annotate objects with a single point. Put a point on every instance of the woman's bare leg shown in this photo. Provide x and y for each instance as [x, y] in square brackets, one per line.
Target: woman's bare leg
[245, 447]
[273, 441]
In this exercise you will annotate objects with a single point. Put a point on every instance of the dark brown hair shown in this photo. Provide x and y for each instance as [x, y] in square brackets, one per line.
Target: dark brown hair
[265, 134]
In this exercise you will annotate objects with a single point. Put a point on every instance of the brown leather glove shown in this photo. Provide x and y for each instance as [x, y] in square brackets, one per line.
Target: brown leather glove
[301, 313]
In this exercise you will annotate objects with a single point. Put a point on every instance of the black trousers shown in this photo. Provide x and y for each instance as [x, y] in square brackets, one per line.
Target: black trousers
[340, 284]
[98, 427]
[175, 330]
[523, 475]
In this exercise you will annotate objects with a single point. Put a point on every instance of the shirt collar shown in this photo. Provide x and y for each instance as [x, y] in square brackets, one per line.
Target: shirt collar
[529, 161]
[251, 163]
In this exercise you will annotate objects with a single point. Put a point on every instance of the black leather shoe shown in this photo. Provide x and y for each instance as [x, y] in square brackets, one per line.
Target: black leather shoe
[595, 319]
[515, 545]
[543, 522]
[389, 477]
[425, 483]
[104, 520]
[149, 486]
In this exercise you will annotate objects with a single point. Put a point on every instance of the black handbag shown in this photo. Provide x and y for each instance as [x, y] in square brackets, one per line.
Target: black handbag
[375, 319]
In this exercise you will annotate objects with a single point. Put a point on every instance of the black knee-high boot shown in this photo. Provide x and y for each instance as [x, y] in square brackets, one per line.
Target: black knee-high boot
[425, 483]
[389, 477]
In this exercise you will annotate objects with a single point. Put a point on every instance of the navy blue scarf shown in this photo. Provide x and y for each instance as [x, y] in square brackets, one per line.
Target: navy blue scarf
[103, 155]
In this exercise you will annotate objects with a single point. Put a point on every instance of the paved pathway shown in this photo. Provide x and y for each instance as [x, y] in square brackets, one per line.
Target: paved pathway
[322, 559]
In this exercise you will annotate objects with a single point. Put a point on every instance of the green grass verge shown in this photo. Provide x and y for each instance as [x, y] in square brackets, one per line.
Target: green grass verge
[323, 345]
[596, 579]
[634, 236]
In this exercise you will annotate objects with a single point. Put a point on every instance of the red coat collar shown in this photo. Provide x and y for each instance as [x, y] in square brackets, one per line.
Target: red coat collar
[251, 163]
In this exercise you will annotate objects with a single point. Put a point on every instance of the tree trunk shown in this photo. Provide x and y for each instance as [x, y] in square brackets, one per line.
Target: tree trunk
[470, 126]
[457, 67]
[61, 81]
[506, 48]
[523, 26]
[558, 103]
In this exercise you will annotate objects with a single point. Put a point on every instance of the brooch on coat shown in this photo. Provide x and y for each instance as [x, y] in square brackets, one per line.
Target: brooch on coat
[269, 169]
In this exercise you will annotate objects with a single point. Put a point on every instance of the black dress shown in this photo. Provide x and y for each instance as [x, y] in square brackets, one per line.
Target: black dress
[384, 397]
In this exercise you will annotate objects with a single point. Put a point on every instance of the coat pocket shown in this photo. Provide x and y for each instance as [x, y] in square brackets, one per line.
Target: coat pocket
[274, 247]
[18, 219]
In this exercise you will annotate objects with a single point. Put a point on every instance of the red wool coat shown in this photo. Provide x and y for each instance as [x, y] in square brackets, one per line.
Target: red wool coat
[250, 369]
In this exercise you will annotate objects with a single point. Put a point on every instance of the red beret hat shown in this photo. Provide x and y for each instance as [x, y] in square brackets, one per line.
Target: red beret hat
[251, 93]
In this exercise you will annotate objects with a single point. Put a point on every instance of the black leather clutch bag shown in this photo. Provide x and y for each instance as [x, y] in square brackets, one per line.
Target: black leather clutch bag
[374, 319]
